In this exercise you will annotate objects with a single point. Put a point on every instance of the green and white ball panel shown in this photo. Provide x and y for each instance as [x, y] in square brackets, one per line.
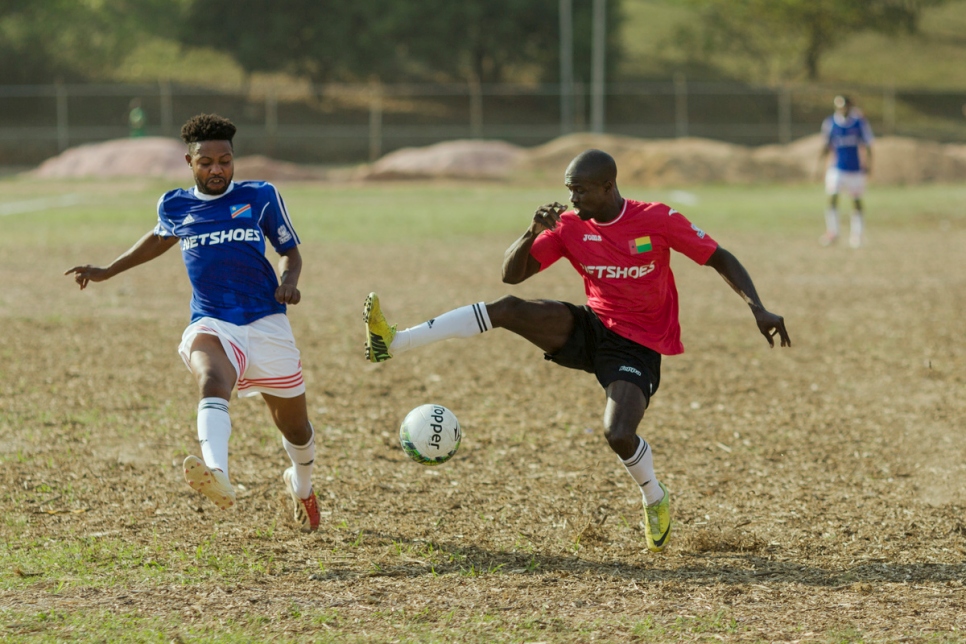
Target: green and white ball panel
[430, 434]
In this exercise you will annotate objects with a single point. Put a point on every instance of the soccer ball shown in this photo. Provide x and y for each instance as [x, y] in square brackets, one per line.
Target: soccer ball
[430, 434]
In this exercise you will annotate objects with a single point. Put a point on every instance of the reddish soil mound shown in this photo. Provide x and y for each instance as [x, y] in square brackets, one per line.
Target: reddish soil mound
[452, 159]
[159, 157]
[143, 157]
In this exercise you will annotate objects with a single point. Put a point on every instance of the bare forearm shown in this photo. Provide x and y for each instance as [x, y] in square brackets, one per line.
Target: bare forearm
[735, 275]
[290, 268]
[517, 262]
[149, 247]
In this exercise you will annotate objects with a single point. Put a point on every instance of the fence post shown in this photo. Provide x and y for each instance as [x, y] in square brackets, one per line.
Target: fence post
[681, 105]
[271, 117]
[566, 67]
[784, 114]
[63, 134]
[598, 66]
[476, 107]
[375, 120]
[889, 109]
[167, 119]
[580, 106]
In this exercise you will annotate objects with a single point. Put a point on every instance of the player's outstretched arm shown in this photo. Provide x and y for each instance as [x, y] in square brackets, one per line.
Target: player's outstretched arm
[144, 250]
[738, 278]
[518, 264]
[290, 268]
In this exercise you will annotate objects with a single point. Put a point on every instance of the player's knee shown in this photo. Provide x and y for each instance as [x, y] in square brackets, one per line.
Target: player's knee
[621, 437]
[213, 385]
[505, 310]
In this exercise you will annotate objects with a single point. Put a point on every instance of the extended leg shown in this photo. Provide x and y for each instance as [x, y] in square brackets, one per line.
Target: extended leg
[216, 376]
[298, 437]
[545, 323]
[625, 408]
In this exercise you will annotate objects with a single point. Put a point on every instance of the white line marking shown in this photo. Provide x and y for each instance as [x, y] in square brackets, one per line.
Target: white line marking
[33, 205]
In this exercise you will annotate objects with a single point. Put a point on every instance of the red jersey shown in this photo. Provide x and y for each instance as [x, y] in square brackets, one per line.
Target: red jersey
[626, 266]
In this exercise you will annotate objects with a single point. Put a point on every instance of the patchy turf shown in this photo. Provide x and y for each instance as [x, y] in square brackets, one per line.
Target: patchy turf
[818, 491]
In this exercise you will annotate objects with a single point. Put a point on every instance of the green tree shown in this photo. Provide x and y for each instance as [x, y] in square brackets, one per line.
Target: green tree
[795, 34]
[490, 40]
[69, 39]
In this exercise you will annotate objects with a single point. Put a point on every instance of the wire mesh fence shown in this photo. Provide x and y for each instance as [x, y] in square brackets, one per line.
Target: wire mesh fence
[339, 124]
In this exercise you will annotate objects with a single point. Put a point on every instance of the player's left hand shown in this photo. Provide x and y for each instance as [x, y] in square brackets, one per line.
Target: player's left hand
[771, 325]
[288, 294]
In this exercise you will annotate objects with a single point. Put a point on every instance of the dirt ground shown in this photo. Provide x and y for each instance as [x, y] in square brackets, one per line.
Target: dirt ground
[818, 492]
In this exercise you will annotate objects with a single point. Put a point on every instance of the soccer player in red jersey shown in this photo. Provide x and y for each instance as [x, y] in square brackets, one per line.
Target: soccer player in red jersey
[622, 250]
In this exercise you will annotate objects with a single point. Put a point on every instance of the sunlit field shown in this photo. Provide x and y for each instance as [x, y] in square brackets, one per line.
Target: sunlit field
[818, 491]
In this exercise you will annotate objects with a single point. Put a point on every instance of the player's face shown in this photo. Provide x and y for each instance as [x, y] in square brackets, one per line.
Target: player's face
[213, 166]
[590, 198]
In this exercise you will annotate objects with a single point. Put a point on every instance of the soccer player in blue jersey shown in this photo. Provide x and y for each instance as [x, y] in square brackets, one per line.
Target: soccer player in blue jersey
[847, 134]
[239, 335]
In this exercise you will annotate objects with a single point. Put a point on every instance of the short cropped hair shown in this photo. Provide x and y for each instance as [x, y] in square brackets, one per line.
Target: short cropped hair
[595, 165]
[207, 127]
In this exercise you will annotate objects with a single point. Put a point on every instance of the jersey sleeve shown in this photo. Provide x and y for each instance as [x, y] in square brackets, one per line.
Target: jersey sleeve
[827, 131]
[164, 227]
[275, 223]
[547, 248]
[688, 239]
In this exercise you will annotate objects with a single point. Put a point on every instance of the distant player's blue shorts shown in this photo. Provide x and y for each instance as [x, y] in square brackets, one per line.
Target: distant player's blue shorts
[838, 181]
[263, 353]
[594, 348]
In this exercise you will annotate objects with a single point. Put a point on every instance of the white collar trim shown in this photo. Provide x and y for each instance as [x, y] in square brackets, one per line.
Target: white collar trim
[203, 197]
[611, 223]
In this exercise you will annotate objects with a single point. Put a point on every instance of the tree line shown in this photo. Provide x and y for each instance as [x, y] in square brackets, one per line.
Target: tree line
[413, 40]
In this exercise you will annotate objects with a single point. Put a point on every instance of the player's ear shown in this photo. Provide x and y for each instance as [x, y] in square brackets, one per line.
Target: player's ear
[187, 157]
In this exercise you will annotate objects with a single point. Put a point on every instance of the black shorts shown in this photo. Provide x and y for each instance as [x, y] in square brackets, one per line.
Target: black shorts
[596, 349]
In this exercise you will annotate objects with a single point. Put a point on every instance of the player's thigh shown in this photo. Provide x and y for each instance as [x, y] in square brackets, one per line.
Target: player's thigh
[210, 365]
[546, 323]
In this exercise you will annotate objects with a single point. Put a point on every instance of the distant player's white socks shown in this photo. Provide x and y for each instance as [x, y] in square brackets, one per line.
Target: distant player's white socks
[463, 322]
[641, 468]
[832, 222]
[302, 458]
[855, 226]
[214, 428]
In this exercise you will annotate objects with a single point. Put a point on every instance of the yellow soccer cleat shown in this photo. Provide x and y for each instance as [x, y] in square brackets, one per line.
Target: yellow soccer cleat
[379, 334]
[657, 522]
[212, 483]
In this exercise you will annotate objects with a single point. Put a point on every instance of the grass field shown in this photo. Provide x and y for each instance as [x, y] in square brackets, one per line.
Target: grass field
[818, 491]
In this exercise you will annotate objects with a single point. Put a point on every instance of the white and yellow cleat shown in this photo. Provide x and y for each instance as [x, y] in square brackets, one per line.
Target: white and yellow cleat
[379, 334]
[212, 483]
[657, 523]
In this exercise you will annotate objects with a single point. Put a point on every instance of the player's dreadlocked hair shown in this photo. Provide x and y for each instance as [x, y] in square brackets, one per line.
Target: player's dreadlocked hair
[207, 127]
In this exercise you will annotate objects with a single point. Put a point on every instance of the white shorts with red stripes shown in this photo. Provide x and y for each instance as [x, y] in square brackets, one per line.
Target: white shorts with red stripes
[263, 353]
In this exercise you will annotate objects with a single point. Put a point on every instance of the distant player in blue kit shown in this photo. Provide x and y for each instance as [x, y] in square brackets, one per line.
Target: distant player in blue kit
[847, 134]
[239, 335]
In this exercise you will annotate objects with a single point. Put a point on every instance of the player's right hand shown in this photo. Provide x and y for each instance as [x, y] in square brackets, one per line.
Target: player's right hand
[547, 216]
[85, 274]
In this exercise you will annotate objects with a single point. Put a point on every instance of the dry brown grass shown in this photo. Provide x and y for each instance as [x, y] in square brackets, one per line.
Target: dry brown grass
[818, 492]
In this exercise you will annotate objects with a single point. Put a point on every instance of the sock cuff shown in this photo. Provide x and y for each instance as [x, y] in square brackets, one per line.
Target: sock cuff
[642, 448]
[214, 404]
[482, 317]
[311, 442]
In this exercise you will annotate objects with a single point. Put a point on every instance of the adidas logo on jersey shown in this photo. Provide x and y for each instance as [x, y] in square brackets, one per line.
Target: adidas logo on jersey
[188, 220]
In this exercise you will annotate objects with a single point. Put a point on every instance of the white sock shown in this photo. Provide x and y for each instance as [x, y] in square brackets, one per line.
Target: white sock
[832, 222]
[856, 225]
[463, 322]
[641, 468]
[214, 428]
[302, 458]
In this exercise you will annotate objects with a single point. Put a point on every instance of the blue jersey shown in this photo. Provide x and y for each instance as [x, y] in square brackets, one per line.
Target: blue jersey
[844, 135]
[223, 246]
